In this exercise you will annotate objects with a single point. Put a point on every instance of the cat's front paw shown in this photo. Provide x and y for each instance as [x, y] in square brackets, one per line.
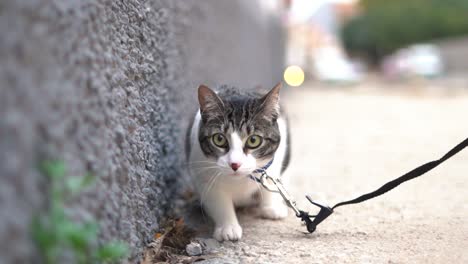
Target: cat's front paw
[230, 232]
[275, 211]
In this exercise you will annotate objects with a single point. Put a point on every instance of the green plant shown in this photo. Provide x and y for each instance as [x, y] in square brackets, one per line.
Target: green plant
[56, 234]
[385, 26]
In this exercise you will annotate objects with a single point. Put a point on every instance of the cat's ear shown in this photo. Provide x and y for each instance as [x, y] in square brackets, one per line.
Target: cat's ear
[270, 102]
[210, 103]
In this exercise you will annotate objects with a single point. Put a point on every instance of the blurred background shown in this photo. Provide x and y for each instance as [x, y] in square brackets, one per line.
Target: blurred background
[377, 88]
[346, 40]
[95, 98]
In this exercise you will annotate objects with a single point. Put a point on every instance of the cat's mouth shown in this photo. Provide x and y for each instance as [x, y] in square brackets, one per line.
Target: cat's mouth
[238, 173]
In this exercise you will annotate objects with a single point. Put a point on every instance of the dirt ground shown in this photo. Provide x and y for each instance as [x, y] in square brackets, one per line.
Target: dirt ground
[350, 140]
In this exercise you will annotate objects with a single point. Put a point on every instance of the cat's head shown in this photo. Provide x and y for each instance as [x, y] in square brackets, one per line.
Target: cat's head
[239, 130]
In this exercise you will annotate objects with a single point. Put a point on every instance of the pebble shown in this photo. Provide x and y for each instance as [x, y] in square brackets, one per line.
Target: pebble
[209, 245]
[194, 249]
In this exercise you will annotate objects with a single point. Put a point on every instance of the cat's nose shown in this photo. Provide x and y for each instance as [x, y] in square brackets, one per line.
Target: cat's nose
[235, 166]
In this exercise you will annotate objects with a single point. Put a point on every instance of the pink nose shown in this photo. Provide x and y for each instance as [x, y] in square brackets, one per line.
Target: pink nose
[235, 166]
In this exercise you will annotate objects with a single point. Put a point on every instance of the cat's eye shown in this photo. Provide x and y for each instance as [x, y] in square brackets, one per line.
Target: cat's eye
[219, 140]
[254, 141]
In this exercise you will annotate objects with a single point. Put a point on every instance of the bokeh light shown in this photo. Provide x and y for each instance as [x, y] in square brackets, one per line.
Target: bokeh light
[294, 75]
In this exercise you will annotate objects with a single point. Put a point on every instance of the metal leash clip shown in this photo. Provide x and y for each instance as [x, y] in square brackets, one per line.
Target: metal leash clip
[279, 189]
[311, 221]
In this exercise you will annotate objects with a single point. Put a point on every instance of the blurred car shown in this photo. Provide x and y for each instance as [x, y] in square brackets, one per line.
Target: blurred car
[416, 60]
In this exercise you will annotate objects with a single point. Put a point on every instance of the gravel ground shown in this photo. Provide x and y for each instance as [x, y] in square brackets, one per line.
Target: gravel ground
[350, 140]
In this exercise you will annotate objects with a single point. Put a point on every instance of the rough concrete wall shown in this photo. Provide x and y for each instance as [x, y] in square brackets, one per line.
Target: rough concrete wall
[104, 86]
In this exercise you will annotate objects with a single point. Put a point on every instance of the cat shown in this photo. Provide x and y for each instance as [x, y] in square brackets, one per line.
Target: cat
[234, 133]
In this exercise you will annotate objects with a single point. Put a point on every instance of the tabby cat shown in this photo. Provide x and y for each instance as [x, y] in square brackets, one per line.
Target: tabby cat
[233, 134]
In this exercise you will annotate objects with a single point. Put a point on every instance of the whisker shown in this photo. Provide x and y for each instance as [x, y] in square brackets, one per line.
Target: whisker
[205, 164]
[213, 182]
[205, 167]
[206, 191]
[199, 162]
[209, 187]
[203, 194]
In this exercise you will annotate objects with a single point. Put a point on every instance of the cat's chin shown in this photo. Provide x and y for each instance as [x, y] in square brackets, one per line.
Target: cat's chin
[237, 174]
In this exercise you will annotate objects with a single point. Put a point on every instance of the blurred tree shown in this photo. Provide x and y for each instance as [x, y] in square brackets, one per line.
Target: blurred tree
[385, 26]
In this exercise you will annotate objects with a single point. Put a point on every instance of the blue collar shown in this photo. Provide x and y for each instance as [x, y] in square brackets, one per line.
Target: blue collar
[261, 170]
[264, 168]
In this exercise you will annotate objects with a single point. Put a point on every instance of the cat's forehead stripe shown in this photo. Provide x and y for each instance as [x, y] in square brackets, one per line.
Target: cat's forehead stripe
[242, 112]
[239, 113]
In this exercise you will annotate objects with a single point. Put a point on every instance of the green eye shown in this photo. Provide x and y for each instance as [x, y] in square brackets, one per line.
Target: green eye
[219, 140]
[254, 141]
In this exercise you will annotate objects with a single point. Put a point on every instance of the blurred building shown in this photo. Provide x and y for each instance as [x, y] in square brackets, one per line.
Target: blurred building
[314, 42]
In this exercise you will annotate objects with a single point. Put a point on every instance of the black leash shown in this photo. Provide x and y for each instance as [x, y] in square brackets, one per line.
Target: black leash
[312, 221]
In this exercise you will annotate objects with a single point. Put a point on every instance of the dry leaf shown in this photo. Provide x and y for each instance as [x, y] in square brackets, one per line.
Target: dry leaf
[188, 195]
[179, 236]
[168, 245]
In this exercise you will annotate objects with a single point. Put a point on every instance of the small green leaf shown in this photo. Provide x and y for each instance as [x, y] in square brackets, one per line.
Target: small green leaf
[53, 169]
[112, 251]
[55, 232]
[74, 235]
[91, 229]
[74, 184]
[43, 236]
[57, 213]
[89, 179]
[77, 184]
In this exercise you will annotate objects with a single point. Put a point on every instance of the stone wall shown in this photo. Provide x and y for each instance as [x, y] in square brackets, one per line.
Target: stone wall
[107, 87]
